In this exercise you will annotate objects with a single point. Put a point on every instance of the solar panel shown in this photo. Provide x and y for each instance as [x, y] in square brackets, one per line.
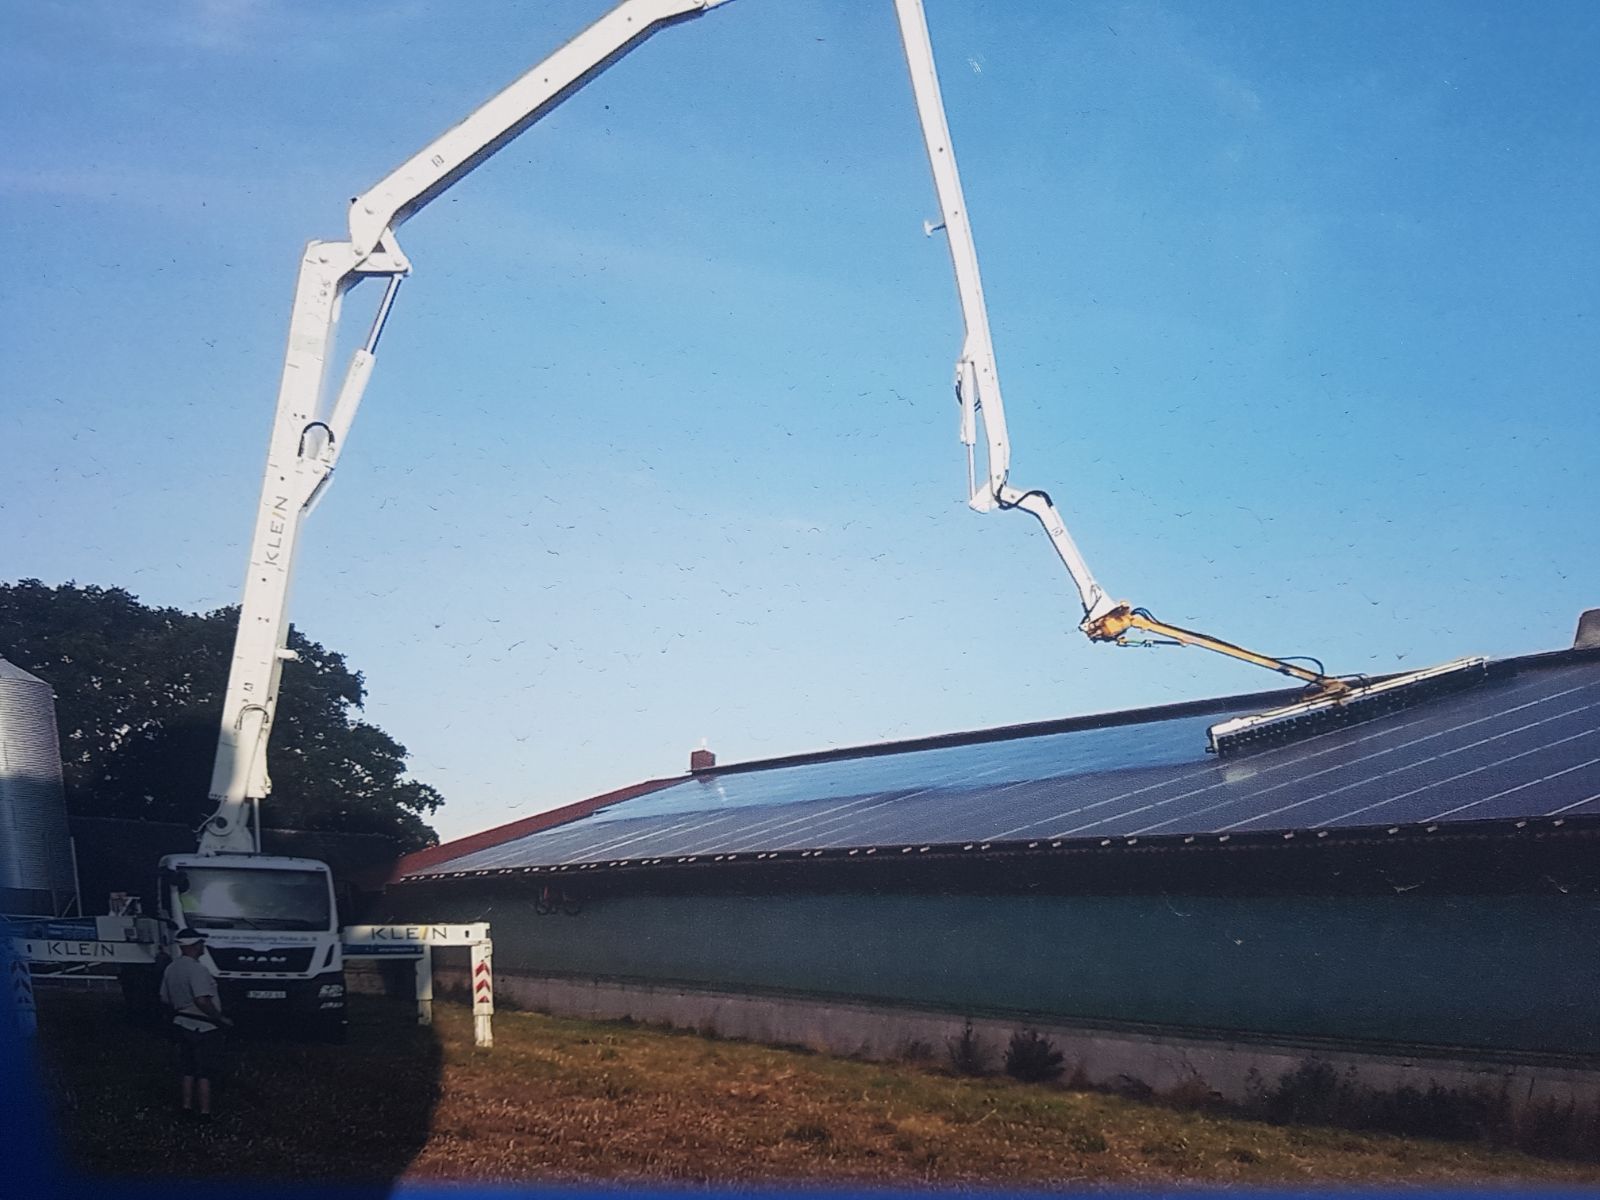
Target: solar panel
[1524, 744]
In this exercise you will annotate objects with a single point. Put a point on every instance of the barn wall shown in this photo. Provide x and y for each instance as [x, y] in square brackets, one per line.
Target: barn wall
[1135, 1062]
[1504, 974]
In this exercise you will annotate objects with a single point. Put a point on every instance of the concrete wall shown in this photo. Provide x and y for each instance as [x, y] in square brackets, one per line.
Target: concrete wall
[1487, 975]
[1124, 1060]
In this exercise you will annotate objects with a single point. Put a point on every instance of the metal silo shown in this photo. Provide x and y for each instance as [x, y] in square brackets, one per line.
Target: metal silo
[35, 853]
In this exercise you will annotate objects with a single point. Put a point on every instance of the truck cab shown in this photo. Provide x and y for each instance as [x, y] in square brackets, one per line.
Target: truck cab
[272, 934]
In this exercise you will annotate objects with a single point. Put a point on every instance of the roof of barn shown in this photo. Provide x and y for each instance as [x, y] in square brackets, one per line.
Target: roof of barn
[1522, 746]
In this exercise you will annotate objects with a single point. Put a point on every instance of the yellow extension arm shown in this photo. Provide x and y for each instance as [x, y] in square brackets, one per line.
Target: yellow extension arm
[1114, 627]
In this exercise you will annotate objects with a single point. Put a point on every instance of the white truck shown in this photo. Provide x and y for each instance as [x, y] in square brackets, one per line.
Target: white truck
[272, 930]
[272, 933]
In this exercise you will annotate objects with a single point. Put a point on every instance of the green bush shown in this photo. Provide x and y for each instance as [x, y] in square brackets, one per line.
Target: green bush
[1033, 1059]
[1315, 1093]
[968, 1055]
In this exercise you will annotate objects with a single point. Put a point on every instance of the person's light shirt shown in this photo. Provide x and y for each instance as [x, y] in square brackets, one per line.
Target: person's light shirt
[186, 979]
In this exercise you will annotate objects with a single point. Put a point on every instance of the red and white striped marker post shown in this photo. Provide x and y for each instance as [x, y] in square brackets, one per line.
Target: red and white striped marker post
[418, 941]
[482, 994]
[19, 988]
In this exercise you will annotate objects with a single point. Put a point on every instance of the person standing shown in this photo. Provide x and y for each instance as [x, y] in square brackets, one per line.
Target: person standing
[190, 990]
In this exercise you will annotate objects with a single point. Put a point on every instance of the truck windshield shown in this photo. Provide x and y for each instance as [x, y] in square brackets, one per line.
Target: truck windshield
[246, 898]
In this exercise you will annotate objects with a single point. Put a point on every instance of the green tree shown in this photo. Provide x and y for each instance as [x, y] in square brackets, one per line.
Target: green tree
[138, 700]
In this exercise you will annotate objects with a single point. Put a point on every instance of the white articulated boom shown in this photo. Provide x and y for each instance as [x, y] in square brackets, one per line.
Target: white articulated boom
[977, 385]
[977, 377]
[309, 431]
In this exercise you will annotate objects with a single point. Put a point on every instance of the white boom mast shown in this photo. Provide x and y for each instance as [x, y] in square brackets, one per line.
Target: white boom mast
[308, 434]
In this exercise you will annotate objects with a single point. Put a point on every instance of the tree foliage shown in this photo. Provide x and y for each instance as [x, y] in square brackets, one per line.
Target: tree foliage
[138, 701]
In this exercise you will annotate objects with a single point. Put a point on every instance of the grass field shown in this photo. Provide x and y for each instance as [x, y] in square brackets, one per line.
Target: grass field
[572, 1101]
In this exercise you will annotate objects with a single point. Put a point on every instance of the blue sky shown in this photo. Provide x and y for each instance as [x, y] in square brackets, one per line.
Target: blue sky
[1294, 303]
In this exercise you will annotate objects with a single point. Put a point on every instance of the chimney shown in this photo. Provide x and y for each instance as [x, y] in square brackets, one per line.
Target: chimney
[1588, 637]
[701, 759]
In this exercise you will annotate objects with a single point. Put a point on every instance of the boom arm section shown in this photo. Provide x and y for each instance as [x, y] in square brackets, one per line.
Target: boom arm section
[308, 433]
[422, 177]
[977, 383]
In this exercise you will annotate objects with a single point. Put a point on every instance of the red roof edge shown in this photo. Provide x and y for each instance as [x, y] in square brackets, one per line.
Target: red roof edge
[418, 860]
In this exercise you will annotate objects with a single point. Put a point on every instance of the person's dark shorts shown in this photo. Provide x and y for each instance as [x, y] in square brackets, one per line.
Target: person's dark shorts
[199, 1053]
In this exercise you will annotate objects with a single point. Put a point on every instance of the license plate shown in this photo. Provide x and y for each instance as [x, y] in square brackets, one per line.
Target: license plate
[265, 994]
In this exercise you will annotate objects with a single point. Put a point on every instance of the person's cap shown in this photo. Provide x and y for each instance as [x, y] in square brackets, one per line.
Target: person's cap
[190, 935]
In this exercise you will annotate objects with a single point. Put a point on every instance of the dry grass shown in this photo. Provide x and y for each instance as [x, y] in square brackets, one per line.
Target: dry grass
[572, 1101]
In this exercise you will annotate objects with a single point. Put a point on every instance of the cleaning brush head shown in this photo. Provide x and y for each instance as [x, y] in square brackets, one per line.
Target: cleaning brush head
[1352, 705]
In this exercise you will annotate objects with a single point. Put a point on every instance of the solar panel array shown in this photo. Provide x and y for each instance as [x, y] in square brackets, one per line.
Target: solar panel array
[1520, 746]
